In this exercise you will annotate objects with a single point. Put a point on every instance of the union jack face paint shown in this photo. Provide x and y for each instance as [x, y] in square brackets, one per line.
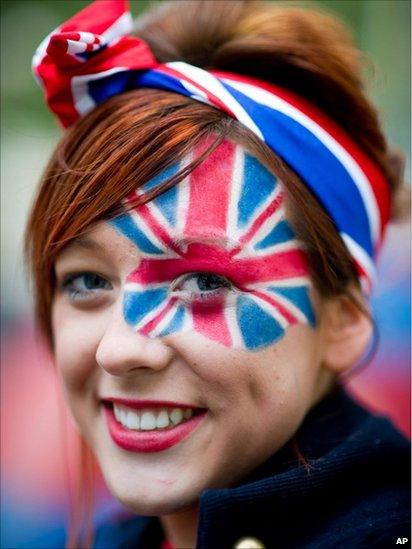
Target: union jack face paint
[217, 255]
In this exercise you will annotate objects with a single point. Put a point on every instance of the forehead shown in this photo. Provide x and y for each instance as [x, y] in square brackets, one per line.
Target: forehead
[220, 198]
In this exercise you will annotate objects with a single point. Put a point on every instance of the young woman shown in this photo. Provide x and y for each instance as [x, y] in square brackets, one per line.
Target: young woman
[202, 245]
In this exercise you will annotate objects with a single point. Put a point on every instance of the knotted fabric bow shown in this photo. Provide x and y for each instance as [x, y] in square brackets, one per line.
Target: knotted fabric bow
[91, 58]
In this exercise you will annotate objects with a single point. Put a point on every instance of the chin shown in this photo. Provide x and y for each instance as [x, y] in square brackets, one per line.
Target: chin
[153, 498]
[156, 509]
[147, 504]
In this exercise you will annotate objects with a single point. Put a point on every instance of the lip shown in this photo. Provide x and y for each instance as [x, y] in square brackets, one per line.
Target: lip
[139, 404]
[149, 441]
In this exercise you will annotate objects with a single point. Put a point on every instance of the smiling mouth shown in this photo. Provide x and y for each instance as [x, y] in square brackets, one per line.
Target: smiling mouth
[150, 418]
[150, 428]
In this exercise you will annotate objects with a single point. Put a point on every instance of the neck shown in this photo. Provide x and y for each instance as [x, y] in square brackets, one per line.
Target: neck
[181, 527]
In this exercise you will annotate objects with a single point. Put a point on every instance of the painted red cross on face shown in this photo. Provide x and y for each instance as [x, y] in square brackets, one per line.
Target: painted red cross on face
[217, 255]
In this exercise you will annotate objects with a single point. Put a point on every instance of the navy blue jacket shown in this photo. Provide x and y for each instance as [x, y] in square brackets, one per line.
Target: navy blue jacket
[355, 493]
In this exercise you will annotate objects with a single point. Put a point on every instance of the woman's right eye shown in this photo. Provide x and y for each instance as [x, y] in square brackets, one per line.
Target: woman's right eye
[84, 286]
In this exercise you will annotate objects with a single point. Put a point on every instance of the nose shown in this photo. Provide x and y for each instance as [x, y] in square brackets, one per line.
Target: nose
[121, 349]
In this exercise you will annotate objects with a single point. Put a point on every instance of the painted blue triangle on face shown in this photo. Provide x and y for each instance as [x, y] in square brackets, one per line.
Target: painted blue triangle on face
[256, 186]
[258, 328]
[137, 305]
[280, 233]
[166, 202]
[126, 226]
[161, 177]
[299, 296]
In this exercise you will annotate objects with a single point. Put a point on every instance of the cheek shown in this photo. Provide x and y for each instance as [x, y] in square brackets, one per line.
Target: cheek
[260, 396]
[76, 338]
[244, 379]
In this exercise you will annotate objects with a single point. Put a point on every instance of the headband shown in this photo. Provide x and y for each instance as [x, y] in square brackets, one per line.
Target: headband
[91, 58]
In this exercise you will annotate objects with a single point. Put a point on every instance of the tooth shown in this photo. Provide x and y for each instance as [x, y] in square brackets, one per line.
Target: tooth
[116, 412]
[176, 415]
[147, 421]
[187, 414]
[162, 419]
[126, 419]
[123, 416]
[151, 419]
[133, 420]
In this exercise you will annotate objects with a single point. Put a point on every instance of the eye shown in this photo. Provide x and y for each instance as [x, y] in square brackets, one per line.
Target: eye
[201, 286]
[84, 286]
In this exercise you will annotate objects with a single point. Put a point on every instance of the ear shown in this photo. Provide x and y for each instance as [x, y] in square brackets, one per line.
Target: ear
[346, 333]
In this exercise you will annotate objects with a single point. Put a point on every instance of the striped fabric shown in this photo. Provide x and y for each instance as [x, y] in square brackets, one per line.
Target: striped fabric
[91, 58]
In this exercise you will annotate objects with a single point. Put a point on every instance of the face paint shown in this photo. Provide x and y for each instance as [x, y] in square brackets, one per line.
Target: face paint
[217, 255]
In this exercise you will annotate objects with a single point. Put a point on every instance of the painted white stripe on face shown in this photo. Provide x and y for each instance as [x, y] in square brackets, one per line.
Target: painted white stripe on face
[149, 316]
[144, 227]
[282, 247]
[273, 197]
[183, 198]
[162, 325]
[272, 311]
[268, 225]
[282, 283]
[287, 304]
[232, 323]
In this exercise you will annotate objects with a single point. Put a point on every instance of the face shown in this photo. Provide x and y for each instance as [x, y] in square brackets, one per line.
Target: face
[185, 328]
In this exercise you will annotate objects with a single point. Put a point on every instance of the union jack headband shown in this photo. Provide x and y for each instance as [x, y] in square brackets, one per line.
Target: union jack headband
[91, 58]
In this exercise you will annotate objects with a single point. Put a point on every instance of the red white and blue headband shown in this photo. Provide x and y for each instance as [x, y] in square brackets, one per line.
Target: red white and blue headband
[91, 57]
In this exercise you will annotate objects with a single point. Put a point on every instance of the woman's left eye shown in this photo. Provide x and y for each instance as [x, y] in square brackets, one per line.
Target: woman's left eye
[202, 285]
[84, 286]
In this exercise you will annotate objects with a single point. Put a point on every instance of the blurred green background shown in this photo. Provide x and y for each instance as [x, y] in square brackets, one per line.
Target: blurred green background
[28, 131]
